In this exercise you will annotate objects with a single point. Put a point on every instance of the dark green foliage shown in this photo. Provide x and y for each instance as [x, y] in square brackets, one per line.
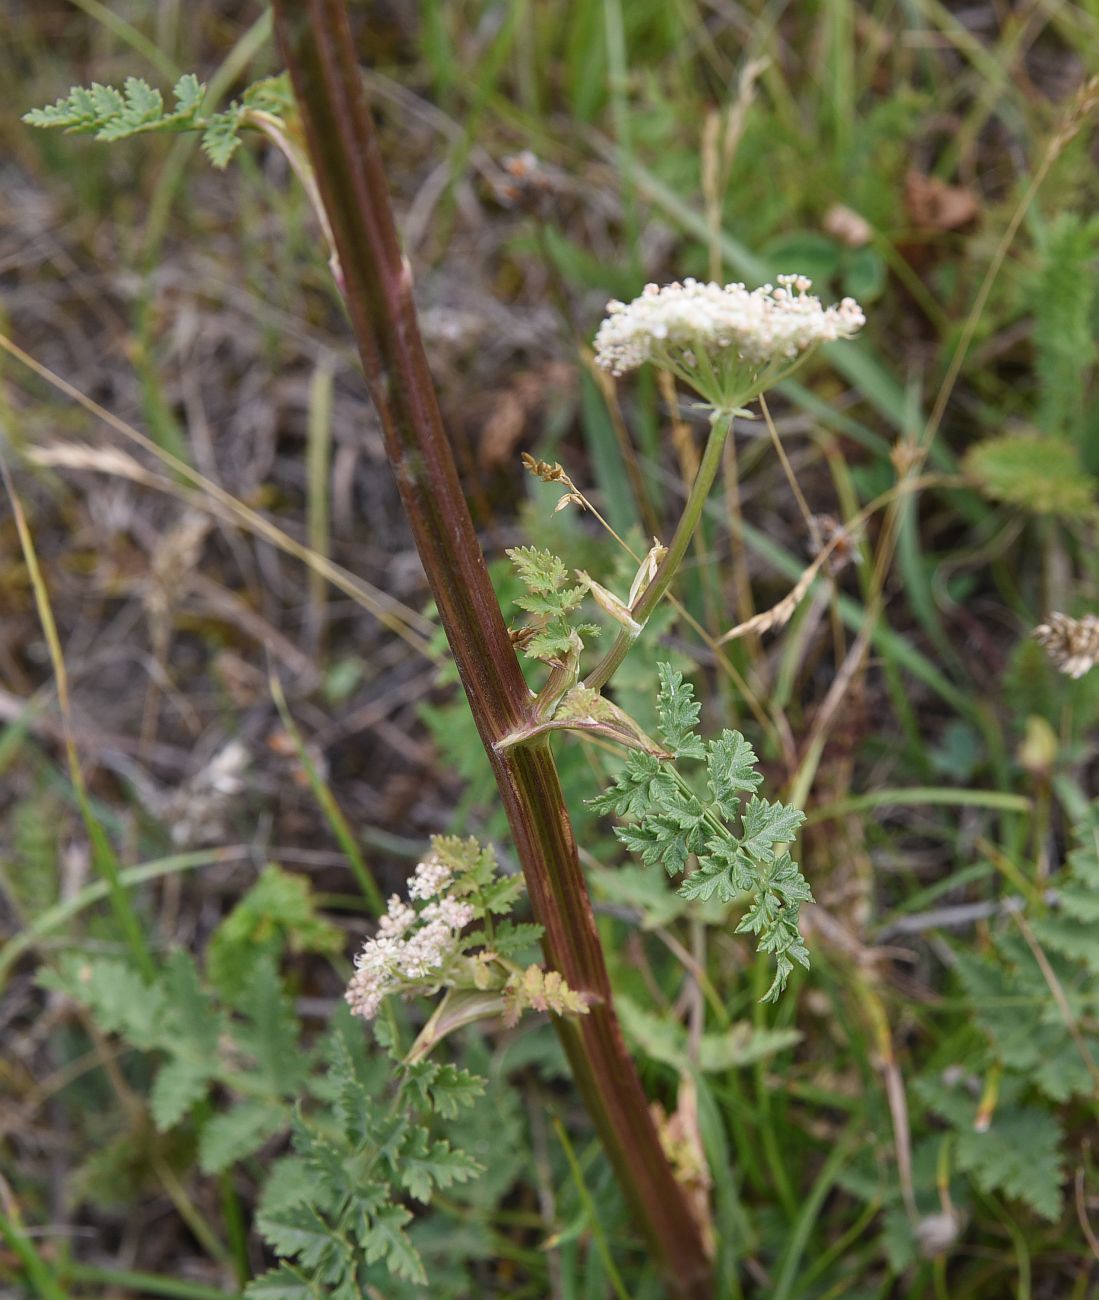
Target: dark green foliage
[231, 1069]
[1018, 1154]
[670, 823]
[278, 914]
[1047, 1048]
[335, 1210]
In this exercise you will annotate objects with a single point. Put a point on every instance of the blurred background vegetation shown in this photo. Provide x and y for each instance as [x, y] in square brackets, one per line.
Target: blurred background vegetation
[916, 1116]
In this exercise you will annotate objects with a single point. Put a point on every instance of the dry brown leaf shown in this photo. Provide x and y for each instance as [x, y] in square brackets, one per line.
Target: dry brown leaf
[510, 409]
[934, 205]
[847, 225]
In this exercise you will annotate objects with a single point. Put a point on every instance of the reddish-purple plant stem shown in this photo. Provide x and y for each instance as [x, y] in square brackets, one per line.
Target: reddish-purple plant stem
[317, 45]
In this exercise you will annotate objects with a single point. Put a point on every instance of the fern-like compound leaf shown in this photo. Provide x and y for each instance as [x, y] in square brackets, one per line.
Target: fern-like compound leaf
[670, 825]
[111, 114]
[541, 571]
[767, 824]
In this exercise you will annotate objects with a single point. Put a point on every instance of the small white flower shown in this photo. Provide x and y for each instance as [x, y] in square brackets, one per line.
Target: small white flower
[451, 912]
[727, 342]
[430, 878]
[398, 919]
[410, 947]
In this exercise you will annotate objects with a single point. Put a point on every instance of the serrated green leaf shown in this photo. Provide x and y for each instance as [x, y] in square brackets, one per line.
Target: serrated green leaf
[191, 1021]
[237, 1133]
[1019, 1155]
[454, 1090]
[678, 711]
[290, 1182]
[633, 793]
[731, 771]
[76, 110]
[283, 1283]
[272, 95]
[179, 1084]
[549, 646]
[389, 1241]
[1065, 935]
[712, 879]
[552, 604]
[512, 938]
[272, 1035]
[143, 103]
[188, 92]
[422, 1166]
[221, 138]
[783, 970]
[540, 571]
[767, 824]
[277, 914]
[299, 1232]
[106, 101]
[116, 994]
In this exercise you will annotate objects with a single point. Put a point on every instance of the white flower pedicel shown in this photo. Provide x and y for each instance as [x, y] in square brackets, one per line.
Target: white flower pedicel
[726, 342]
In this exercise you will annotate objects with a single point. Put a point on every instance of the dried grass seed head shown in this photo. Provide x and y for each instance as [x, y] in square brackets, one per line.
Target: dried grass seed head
[1071, 643]
[727, 342]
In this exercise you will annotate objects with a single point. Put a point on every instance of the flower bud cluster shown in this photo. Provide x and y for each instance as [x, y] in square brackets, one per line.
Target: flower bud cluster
[726, 341]
[411, 944]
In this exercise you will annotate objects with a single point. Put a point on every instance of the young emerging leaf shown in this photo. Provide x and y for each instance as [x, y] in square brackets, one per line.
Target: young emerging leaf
[549, 636]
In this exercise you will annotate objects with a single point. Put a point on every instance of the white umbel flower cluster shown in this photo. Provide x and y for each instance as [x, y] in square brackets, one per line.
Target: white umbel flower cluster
[727, 342]
[410, 944]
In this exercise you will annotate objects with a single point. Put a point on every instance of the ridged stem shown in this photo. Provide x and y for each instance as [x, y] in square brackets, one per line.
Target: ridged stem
[319, 51]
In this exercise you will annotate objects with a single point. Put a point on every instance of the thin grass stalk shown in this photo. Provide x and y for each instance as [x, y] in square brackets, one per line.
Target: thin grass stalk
[317, 46]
